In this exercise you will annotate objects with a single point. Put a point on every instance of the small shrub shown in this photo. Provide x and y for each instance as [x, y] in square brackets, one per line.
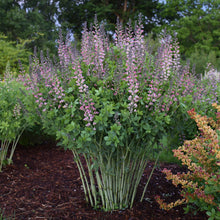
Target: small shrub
[14, 119]
[201, 184]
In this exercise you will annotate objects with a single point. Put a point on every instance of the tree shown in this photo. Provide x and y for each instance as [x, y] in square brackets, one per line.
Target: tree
[74, 13]
[41, 15]
[13, 21]
[196, 23]
[10, 55]
[34, 20]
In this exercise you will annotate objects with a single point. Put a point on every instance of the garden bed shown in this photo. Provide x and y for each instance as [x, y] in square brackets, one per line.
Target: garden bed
[44, 183]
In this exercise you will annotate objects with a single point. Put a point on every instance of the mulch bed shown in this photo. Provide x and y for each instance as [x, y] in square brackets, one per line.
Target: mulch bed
[44, 183]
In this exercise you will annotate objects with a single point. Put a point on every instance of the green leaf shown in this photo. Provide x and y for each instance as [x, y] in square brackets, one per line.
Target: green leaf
[70, 90]
[147, 127]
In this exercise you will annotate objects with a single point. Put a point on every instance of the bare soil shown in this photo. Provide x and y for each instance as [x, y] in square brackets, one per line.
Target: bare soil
[44, 183]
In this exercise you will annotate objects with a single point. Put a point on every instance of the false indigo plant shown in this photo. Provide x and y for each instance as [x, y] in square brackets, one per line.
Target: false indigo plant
[109, 119]
[111, 104]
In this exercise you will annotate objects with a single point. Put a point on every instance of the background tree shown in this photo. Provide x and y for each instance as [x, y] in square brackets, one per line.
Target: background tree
[42, 17]
[39, 19]
[34, 20]
[13, 20]
[74, 13]
[11, 53]
[196, 23]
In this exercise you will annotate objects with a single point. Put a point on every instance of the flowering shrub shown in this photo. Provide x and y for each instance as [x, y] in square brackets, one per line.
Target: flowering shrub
[98, 109]
[14, 119]
[113, 103]
[201, 184]
[188, 92]
[101, 107]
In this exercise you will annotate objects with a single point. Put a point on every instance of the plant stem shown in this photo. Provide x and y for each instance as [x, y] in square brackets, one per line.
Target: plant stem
[3, 152]
[149, 177]
[92, 182]
[83, 178]
[14, 144]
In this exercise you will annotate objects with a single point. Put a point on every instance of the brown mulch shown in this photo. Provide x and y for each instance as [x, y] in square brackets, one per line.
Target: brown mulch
[44, 183]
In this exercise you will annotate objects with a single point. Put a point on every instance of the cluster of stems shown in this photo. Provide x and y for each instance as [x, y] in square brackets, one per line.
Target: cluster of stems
[113, 183]
[5, 146]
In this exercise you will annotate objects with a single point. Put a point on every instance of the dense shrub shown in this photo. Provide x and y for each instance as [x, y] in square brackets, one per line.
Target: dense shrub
[116, 104]
[201, 184]
[15, 118]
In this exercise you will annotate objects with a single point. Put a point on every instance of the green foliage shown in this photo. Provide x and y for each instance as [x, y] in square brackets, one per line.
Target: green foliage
[31, 21]
[10, 55]
[13, 19]
[199, 60]
[41, 24]
[14, 119]
[74, 14]
[201, 184]
[196, 24]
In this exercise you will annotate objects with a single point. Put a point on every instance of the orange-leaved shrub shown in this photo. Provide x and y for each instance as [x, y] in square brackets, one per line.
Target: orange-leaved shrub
[201, 184]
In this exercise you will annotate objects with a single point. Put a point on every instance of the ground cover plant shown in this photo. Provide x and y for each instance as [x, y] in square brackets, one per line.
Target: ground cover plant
[116, 105]
[200, 185]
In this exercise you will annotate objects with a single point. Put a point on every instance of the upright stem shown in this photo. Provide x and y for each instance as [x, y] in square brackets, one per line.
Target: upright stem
[139, 172]
[100, 188]
[14, 144]
[92, 182]
[83, 177]
[149, 177]
[3, 152]
[117, 176]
